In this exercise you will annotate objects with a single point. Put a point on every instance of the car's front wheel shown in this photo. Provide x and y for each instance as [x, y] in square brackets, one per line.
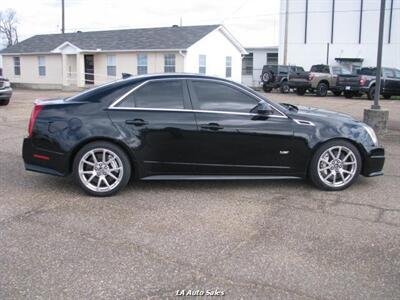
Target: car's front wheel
[4, 101]
[335, 165]
[101, 169]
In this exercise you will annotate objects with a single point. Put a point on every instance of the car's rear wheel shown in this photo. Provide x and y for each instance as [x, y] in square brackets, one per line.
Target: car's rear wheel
[335, 165]
[101, 169]
[371, 93]
[4, 102]
[266, 88]
[300, 91]
[387, 96]
[285, 87]
[322, 89]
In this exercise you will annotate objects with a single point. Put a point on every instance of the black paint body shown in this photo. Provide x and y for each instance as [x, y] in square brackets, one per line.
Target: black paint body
[179, 143]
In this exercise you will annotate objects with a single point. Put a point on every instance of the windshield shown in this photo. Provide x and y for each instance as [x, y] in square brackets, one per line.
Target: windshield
[340, 71]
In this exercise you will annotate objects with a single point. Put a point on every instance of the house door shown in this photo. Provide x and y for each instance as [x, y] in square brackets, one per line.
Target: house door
[89, 69]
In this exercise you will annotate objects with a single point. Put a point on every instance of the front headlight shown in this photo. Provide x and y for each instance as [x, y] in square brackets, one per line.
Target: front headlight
[6, 84]
[372, 134]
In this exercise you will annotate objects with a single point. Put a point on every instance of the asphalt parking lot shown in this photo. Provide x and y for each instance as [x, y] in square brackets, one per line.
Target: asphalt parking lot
[251, 240]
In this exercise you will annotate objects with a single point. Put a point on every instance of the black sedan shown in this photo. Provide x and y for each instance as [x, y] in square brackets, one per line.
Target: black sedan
[180, 126]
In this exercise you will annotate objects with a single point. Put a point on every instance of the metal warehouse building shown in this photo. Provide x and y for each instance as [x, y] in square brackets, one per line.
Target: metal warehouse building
[341, 32]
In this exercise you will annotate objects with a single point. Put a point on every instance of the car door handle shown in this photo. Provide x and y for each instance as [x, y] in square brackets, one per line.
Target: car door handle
[136, 122]
[212, 126]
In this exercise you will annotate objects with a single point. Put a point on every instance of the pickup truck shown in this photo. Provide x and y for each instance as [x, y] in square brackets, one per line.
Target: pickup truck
[319, 80]
[364, 83]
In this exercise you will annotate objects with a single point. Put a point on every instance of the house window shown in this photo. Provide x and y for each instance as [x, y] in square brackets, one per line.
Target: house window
[17, 66]
[272, 58]
[169, 63]
[247, 64]
[42, 65]
[141, 64]
[228, 67]
[111, 65]
[202, 64]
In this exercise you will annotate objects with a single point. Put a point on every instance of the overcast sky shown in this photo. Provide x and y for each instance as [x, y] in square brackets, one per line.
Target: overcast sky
[252, 22]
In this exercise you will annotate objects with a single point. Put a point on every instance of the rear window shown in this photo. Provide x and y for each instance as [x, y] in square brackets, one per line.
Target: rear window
[166, 94]
[367, 71]
[320, 69]
[340, 71]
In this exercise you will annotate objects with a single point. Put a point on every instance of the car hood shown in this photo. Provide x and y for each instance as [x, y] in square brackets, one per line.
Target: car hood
[319, 113]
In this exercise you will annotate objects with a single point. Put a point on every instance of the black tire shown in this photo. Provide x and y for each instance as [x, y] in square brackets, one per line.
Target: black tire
[337, 93]
[313, 167]
[4, 102]
[285, 87]
[300, 91]
[124, 163]
[348, 95]
[371, 93]
[322, 89]
[266, 88]
[387, 97]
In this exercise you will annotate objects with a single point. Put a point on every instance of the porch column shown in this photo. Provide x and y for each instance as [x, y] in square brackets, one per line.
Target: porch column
[65, 79]
[80, 70]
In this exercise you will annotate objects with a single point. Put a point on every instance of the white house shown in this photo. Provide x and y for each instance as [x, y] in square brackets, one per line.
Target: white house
[338, 32]
[86, 58]
[254, 61]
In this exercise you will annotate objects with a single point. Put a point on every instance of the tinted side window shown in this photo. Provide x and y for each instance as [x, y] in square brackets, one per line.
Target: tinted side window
[397, 73]
[388, 73]
[220, 97]
[156, 94]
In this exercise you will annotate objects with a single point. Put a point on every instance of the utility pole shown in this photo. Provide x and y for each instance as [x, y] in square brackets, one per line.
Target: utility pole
[62, 17]
[376, 117]
[379, 58]
[285, 43]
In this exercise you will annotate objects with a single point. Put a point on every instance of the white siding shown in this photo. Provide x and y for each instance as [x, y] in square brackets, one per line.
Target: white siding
[216, 46]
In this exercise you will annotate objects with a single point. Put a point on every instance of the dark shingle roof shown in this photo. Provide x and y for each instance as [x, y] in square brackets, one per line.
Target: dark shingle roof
[126, 39]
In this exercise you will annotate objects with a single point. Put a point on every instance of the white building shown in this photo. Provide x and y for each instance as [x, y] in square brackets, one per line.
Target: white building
[338, 32]
[86, 58]
[254, 61]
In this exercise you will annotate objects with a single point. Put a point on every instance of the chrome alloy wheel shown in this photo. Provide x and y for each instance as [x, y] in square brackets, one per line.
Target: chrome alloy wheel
[337, 166]
[100, 170]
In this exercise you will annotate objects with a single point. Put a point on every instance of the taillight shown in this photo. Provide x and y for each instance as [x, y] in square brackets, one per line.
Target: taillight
[35, 112]
[363, 80]
[310, 77]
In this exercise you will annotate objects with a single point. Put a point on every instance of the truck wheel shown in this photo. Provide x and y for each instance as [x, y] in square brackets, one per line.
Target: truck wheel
[348, 95]
[337, 93]
[322, 89]
[300, 91]
[266, 88]
[371, 93]
[387, 96]
[285, 87]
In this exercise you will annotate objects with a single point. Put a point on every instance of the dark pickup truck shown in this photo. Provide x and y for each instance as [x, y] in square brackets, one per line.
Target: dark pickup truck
[364, 83]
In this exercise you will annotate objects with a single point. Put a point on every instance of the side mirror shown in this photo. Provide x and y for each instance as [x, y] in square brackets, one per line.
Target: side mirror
[263, 108]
